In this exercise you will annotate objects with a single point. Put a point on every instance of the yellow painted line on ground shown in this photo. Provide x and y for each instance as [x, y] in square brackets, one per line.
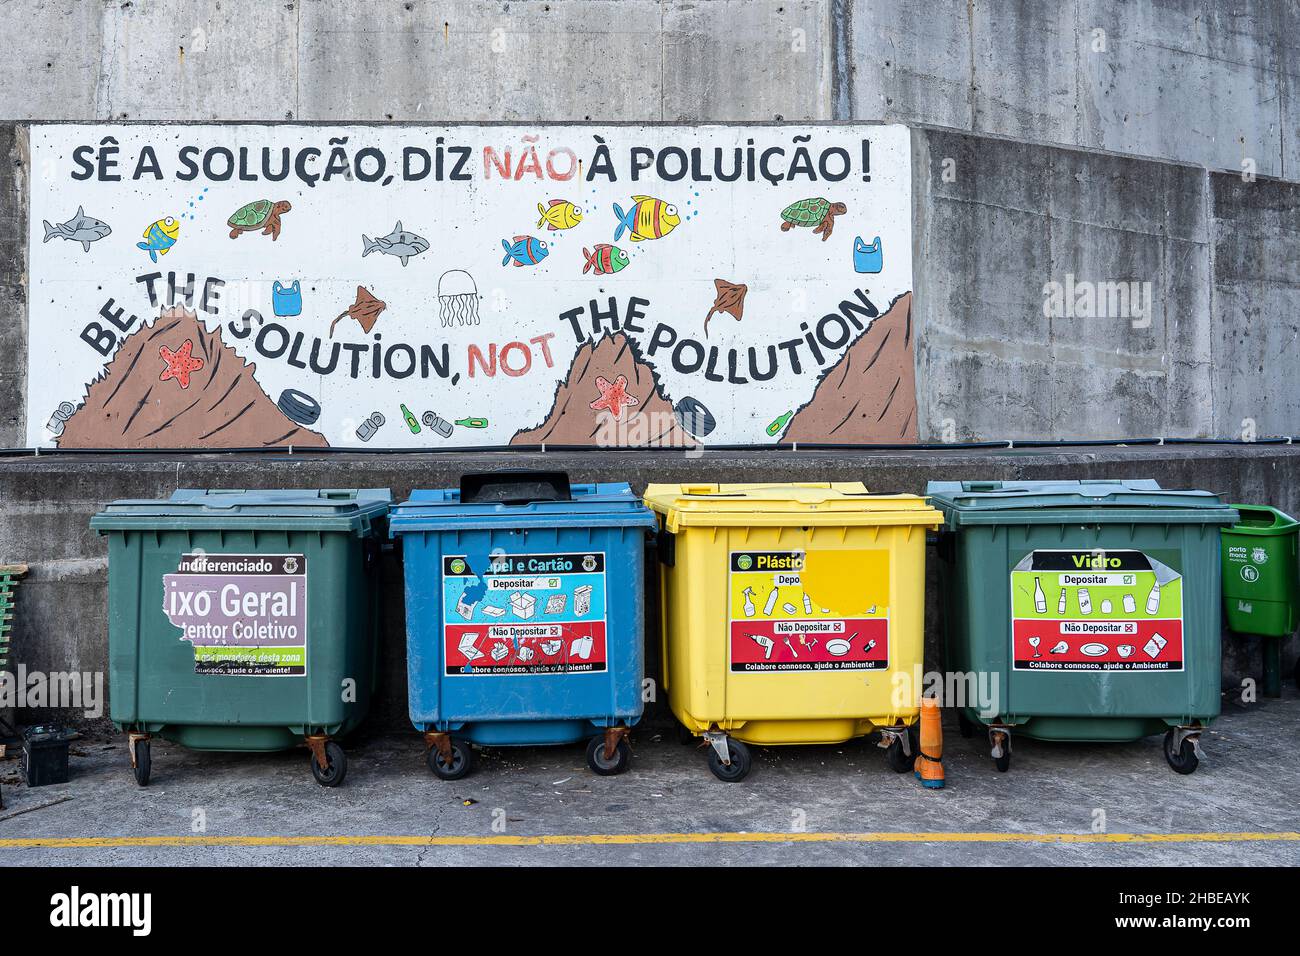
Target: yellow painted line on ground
[641, 839]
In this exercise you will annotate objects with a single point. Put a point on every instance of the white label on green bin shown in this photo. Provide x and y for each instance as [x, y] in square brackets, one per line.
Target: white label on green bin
[244, 614]
[1095, 610]
[524, 614]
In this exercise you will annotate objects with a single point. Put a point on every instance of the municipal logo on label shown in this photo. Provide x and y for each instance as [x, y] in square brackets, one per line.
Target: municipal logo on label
[744, 562]
[458, 566]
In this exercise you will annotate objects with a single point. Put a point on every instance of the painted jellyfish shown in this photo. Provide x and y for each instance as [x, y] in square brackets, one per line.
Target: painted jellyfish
[458, 298]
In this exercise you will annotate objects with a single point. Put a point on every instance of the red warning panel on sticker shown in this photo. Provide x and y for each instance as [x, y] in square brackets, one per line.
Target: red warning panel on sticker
[853, 644]
[1152, 645]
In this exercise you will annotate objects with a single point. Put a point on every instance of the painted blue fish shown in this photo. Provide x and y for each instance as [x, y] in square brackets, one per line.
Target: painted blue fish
[159, 237]
[525, 251]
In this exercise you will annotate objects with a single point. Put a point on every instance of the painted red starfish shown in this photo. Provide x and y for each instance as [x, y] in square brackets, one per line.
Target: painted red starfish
[613, 395]
[179, 363]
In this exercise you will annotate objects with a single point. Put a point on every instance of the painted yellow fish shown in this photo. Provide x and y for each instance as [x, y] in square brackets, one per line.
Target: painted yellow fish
[559, 214]
[649, 218]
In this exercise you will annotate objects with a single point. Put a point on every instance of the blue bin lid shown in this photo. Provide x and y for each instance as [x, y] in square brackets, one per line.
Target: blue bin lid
[238, 509]
[1140, 500]
[597, 505]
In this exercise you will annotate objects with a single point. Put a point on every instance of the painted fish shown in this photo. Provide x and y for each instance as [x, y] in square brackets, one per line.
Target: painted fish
[397, 243]
[159, 237]
[559, 214]
[605, 259]
[524, 250]
[80, 228]
[648, 218]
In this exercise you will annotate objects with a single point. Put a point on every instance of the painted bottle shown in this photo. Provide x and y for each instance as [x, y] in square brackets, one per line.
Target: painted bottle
[1040, 599]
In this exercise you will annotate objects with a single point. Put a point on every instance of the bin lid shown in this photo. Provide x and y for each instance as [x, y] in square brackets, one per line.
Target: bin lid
[844, 503]
[237, 509]
[590, 505]
[1139, 500]
[1263, 521]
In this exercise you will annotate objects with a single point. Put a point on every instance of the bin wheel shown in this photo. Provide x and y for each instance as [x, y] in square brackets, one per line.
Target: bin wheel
[1297, 673]
[336, 767]
[964, 725]
[608, 768]
[1183, 760]
[741, 761]
[143, 764]
[898, 761]
[1003, 763]
[462, 759]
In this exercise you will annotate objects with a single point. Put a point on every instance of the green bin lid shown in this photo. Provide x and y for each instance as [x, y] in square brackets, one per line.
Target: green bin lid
[231, 509]
[1263, 521]
[1140, 501]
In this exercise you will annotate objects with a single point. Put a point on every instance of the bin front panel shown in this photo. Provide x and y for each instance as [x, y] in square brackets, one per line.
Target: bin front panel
[795, 624]
[238, 628]
[527, 624]
[1091, 620]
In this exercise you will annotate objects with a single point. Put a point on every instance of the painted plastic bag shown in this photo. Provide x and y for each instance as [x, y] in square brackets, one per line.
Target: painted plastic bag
[868, 258]
[287, 300]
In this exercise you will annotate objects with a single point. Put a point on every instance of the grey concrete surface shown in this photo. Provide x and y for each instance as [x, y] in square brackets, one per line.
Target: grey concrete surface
[1183, 80]
[1246, 783]
[60, 625]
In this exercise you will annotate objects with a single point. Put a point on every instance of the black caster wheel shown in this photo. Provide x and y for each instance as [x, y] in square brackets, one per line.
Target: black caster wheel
[1003, 762]
[898, 761]
[336, 766]
[621, 760]
[1297, 673]
[143, 763]
[1184, 759]
[462, 759]
[738, 769]
[964, 725]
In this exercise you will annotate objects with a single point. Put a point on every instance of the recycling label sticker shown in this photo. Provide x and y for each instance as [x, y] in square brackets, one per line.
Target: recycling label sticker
[1096, 610]
[244, 614]
[522, 614]
[779, 626]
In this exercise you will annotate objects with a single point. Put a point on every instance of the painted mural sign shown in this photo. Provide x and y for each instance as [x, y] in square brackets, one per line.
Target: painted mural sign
[417, 287]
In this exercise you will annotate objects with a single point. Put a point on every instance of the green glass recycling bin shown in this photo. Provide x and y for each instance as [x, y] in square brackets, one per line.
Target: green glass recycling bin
[1082, 610]
[243, 620]
[1261, 575]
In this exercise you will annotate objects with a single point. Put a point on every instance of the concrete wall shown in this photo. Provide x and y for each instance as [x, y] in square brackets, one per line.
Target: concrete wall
[1122, 162]
[1190, 81]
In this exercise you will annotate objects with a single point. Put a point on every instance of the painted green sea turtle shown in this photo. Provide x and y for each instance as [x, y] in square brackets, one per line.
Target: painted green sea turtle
[262, 214]
[817, 212]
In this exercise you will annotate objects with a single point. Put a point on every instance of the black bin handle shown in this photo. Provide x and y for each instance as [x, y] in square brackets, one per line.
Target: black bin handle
[517, 486]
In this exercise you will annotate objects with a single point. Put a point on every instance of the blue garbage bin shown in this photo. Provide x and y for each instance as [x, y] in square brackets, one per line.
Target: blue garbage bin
[525, 616]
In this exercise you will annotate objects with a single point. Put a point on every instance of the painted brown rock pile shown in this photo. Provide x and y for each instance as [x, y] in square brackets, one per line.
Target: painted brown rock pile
[614, 360]
[174, 384]
[869, 395]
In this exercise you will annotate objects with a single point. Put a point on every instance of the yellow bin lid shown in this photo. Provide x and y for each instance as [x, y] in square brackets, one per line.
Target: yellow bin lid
[834, 503]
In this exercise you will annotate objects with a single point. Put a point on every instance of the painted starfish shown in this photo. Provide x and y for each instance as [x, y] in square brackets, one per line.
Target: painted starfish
[179, 363]
[613, 395]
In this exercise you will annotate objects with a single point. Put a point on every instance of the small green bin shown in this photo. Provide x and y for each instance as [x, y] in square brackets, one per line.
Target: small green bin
[243, 620]
[1261, 572]
[1261, 576]
[1086, 610]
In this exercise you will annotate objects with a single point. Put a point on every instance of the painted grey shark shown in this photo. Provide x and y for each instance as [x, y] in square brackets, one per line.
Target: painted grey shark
[80, 228]
[396, 243]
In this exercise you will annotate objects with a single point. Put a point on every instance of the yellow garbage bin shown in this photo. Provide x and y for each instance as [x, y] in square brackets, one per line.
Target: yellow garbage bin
[790, 612]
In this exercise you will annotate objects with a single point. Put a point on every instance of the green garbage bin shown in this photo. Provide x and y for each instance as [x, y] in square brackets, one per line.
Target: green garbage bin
[243, 620]
[1082, 610]
[1261, 574]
